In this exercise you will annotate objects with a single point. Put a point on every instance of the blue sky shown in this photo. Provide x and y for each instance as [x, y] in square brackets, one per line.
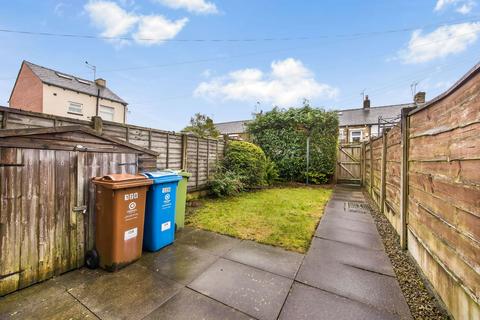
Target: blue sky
[327, 51]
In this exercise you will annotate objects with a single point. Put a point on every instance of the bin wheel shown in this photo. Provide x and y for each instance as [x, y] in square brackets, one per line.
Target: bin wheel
[92, 259]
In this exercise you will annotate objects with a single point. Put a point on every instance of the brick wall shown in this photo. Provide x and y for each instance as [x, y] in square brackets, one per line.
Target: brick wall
[28, 91]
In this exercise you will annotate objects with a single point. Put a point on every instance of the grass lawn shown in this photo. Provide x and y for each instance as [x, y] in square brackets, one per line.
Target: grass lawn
[284, 217]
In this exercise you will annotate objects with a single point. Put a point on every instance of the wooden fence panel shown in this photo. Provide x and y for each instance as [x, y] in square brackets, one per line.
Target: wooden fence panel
[168, 144]
[432, 179]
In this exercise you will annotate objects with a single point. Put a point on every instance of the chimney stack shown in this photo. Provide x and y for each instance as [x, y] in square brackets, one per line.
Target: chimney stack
[366, 103]
[419, 97]
[101, 82]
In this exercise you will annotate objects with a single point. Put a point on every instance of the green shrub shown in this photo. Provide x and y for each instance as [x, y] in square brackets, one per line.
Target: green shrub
[282, 135]
[247, 161]
[226, 183]
[316, 178]
[271, 172]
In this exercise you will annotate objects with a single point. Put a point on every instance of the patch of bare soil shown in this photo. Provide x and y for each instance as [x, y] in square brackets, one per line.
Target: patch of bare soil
[421, 301]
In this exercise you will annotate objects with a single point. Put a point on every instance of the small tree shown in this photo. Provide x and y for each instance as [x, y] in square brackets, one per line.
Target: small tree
[202, 126]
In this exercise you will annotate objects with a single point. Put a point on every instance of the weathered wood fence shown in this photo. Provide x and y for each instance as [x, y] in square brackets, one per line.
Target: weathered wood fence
[176, 150]
[47, 200]
[424, 175]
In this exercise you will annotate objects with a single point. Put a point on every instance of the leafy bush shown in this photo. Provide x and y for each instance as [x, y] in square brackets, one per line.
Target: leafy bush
[316, 178]
[282, 134]
[247, 161]
[226, 183]
[271, 172]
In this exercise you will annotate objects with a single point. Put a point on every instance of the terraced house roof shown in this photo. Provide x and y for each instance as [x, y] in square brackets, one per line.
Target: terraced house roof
[71, 82]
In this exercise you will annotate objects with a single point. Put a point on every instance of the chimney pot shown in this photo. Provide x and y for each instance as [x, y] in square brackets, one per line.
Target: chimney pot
[419, 97]
[101, 82]
[366, 103]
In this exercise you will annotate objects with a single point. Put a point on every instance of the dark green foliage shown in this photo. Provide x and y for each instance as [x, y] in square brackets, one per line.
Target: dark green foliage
[202, 126]
[316, 178]
[282, 134]
[247, 161]
[271, 174]
[226, 183]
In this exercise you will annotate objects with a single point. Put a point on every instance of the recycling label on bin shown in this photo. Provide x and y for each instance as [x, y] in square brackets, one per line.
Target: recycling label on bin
[167, 201]
[166, 226]
[132, 211]
[129, 234]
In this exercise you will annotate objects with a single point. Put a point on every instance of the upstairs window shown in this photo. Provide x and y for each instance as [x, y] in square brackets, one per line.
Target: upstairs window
[106, 113]
[355, 135]
[75, 108]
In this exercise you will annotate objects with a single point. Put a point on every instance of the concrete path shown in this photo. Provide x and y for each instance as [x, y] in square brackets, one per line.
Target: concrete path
[344, 275]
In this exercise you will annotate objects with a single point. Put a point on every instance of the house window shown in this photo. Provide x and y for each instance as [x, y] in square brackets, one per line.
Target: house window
[106, 113]
[75, 108]
[355, 135]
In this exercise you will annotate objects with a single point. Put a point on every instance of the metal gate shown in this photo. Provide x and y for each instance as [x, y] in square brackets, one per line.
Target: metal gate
[349, 169]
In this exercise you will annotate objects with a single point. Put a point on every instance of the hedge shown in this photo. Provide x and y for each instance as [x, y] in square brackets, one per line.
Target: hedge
[282, 134]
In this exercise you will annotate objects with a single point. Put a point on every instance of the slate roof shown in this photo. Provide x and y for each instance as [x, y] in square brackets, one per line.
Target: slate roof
[232, 126]
[52, 77]
[360, 116]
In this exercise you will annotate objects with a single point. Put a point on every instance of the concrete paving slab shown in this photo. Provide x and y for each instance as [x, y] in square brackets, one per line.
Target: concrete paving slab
[343, 253]
[82, 276]
[257, 293]
[45, 300]
[215, 243]
[336, 221]
[191, 305]
[341, 209]
[305, 302]
[131, 293]
[179, 262]
[360, 239]
[268, 258]
[380, 291]
[183, 232]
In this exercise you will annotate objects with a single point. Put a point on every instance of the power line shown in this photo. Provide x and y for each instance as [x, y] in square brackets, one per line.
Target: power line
[265, 39]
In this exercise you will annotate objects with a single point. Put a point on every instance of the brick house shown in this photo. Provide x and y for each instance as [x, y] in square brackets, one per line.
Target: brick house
[41, 89]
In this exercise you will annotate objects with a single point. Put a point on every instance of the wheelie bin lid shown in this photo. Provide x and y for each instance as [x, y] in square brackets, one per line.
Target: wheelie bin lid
[122, 181]
[182, 173]
[162, 176]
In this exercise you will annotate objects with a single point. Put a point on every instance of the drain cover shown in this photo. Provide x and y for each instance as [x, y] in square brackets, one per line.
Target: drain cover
[358, 207]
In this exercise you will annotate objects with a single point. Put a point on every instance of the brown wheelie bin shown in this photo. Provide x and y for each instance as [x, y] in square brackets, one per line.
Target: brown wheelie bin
[120, 214]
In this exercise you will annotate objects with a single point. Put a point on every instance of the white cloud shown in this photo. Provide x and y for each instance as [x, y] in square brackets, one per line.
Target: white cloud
[196, 6]
[156, 29]
[288, 82]
[114, 21]
[108, 16]
[461, 6]
[443, 41]
[466, 8]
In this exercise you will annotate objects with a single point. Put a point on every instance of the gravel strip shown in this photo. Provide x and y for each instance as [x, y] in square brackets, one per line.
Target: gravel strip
[421, 301]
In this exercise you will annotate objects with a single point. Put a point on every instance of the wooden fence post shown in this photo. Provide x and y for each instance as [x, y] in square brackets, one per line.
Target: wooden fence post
[362, 164]
[5, 120]
[197, 176]
[383, 183]
[184, 151]
[150, 139]
[97, 124]
[167, 156]
[404, 125]
[371, 166]
[208, 159]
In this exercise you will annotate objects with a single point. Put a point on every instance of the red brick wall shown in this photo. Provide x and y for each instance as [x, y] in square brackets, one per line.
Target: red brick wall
[28, 91]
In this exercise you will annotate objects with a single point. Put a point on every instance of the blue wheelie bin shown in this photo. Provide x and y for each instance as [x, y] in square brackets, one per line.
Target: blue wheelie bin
[159, 228]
